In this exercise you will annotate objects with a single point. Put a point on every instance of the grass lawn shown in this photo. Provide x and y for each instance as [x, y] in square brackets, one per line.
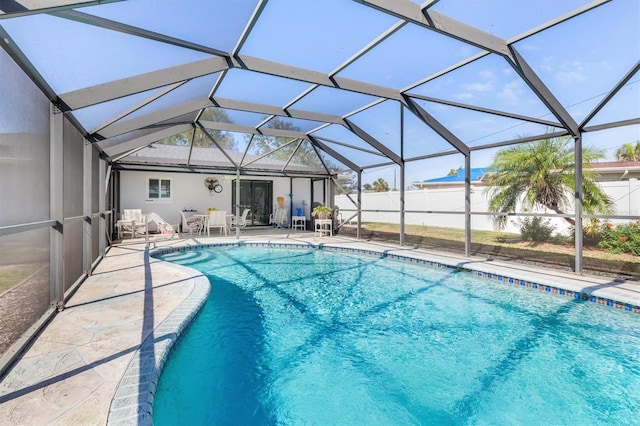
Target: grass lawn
[10, 275]
[18, 262]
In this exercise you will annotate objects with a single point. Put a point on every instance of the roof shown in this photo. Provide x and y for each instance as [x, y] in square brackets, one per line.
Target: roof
[476, 174]
[603, 168]
[615, 165]
[346, 82]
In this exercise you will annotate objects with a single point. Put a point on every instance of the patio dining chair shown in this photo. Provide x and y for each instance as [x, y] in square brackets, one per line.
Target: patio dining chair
[242, 220]
[279, 217]
[217, 219]
[191, 223]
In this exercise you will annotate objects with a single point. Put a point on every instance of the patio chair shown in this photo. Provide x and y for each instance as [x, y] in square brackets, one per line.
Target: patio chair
[217, 219]
[132, 222]
[279, 217]
[191, 223]
[242, 220]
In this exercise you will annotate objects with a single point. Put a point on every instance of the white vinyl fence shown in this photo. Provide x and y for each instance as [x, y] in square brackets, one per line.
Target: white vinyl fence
[625, 194]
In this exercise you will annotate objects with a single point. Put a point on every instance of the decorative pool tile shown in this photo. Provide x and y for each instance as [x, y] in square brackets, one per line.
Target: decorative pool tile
[410, 259]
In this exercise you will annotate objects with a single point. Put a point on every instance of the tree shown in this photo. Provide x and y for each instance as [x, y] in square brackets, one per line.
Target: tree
[628, 152]
[542, 174]
[200, 140]
[367, 187]
[380, 185]
[304, 155]
[453, 172]
[348, 181]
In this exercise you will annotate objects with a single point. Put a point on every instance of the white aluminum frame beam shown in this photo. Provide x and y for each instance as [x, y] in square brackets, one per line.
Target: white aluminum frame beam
[430, 121]
[97, 21]
[413, 12]
[93, 95]
[611, 94]
[357, 148]
[137, 123]
[485, 110]
[353, 166]
[274, 110]
[529, 76]
[230, 127]
[215, 142]
[116, 150]
[373, 142]
[13, 8]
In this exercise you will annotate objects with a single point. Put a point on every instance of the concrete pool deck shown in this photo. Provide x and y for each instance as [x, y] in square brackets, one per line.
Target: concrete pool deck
[70, 373]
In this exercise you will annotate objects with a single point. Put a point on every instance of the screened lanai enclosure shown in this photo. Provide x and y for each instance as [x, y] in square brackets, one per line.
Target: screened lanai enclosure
[108, 105]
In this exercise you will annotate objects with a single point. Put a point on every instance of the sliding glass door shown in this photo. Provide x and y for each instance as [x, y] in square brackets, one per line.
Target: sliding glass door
[256, 195]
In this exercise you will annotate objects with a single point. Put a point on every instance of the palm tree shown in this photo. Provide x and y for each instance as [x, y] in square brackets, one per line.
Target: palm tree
[542, 174]
[380, 185]
[628, 152]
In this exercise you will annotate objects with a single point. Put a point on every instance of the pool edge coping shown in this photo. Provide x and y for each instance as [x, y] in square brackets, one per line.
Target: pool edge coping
[132, 401]
[133, 398]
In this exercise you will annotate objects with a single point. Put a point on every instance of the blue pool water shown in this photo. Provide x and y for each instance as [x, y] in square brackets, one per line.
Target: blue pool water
[314, 337]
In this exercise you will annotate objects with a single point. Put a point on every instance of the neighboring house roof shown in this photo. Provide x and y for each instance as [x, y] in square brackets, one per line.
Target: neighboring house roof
[212, 157]
[608, 171]
[616, 170]
[476, 175]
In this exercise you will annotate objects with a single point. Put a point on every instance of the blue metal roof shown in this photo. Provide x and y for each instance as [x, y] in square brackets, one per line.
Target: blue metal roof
[476, 174]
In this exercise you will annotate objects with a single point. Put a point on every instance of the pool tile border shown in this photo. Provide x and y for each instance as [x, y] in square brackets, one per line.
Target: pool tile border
[418, 261]
[133, 400]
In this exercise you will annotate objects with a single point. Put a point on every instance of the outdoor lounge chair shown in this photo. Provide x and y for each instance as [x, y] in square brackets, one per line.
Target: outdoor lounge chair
[164, 228]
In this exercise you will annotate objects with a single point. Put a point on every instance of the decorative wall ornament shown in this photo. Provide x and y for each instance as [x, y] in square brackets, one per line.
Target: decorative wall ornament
[213, 185]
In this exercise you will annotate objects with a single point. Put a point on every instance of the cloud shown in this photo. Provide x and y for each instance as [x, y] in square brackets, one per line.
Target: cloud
[463, 96]
[570, 77]
[571, 72]
[512, 92]
[478, 87]
[486, 75]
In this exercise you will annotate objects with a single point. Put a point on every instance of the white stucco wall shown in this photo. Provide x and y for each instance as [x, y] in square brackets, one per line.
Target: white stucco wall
[188, 192]
[625, 194]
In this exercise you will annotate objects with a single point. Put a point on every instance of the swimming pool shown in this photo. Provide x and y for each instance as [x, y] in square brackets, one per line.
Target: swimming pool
[316, 337]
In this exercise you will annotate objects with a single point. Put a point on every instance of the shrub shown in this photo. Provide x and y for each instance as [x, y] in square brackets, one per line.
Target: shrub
[620, 239]
[536, 229]
[592, 228]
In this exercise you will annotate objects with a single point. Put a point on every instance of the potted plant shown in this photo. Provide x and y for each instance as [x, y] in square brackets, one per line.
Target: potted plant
[211, 209]
[321, 212]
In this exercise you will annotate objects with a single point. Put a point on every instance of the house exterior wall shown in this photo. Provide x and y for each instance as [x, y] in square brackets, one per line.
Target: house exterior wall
[624, 193]
[188, 192]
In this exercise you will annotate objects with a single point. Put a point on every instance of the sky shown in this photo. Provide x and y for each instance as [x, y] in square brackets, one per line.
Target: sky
[578, 64]
[579, 61]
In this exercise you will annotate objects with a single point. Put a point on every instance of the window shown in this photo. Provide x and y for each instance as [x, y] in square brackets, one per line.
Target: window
[159, 189]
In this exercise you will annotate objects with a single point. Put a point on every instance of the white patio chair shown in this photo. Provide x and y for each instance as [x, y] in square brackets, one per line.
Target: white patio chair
[191, 223]
[132, 222]
[217, 219]
[242, 220]
[279, 218]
